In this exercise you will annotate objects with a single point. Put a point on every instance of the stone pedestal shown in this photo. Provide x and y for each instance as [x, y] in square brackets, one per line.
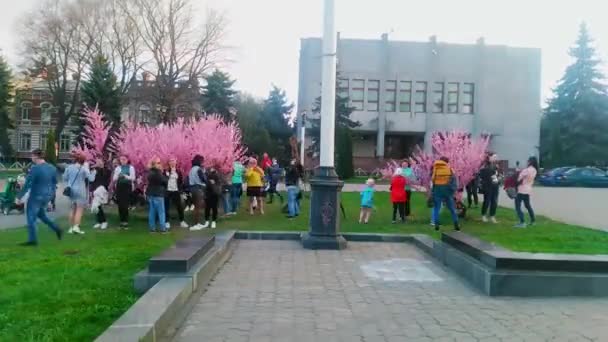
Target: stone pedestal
[324, 223]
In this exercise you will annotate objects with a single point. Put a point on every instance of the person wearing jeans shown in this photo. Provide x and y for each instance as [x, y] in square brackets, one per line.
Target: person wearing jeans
[237, 186]
[41, 183]
[443, 179]
[524, 190]
[157, 187]
[292, 177]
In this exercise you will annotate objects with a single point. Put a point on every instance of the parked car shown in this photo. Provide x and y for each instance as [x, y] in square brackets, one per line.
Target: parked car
[550, 177]
[590, 177]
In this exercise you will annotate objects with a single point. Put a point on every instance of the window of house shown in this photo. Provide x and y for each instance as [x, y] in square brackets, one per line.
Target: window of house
[65, 142]
[405, 96]
[390, 93]
[373, 95]
[145, 112]
[25, 142]
[421, 88]
[468, 98]
[358, 94]
[26, 110]
[453, 91]
[45, 112]
[43, 138]
[343, 87]
[438, 97]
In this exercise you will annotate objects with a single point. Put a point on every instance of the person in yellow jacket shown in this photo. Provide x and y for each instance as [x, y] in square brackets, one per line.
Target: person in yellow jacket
[444, 186]
[254, 176]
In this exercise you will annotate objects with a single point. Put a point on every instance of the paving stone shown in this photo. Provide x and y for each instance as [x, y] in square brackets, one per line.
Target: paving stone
[306, 296]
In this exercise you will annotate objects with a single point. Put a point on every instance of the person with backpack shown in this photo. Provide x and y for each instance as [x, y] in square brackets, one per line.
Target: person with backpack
[524, 190]
[490, 185]
[444, 186]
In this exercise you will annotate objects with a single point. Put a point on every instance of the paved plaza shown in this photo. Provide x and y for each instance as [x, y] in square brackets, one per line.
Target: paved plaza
[278, 291]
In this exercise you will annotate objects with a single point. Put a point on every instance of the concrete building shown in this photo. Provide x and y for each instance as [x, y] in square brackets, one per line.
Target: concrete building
[403, 92]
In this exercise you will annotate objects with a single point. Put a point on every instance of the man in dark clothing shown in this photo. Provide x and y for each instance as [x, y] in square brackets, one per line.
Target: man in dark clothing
[472, 190]
[489, 176]
[274, 173]
[103, 175]
[157, 188]
[41, 182]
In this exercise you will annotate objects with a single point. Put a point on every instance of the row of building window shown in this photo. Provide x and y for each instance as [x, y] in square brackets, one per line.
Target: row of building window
[398, 97]
[46, 111]
[25, 142]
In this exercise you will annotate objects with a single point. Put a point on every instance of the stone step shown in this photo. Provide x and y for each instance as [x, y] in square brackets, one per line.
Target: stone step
[182, 256]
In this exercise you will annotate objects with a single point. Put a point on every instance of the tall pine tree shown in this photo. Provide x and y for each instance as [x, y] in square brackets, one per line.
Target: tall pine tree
[575, 124]
[101, 89]
[6, 150]
[255, 135]
[218, 96]
[275, 118]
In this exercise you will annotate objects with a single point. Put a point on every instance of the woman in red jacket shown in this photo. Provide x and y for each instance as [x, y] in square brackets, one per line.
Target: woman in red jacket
[398, 194]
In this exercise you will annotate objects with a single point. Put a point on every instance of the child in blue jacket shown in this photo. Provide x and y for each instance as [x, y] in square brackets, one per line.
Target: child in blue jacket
[367, 201]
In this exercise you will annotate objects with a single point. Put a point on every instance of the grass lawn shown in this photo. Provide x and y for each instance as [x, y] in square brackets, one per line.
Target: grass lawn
[74, 289]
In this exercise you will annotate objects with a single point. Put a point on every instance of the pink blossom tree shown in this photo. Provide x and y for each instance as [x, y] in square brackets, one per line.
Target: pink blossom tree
[465, 154]
[94, 136]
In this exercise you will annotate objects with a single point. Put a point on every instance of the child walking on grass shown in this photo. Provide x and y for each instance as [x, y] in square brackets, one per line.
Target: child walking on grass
[367, 201]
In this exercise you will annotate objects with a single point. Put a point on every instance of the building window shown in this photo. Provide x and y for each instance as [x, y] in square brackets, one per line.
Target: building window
[405, 96]
[45, 112]
[373, 95]
[43, 138]
[453, 91]
[468, 98]
[65, 143]
[390, 94]
[145, 112]
[438, 97]
[25, 142]
[421, 97]
[357, 95]
[343, 88]
[26, 110]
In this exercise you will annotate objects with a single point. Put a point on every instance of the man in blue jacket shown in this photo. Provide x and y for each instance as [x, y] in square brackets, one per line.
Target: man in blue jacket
[41, 182]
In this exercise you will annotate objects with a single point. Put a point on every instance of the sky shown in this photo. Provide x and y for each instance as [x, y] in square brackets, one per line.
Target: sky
[264, 35]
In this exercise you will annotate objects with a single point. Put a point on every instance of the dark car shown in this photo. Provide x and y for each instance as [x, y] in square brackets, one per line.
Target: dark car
[590, 177]
[550, 178]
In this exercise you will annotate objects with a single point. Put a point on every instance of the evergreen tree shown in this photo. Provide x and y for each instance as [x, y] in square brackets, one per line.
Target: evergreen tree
[101, 89]
[49, 153]
[344, 153]
[218, 96]
[575, 122]
[6, 150]
[275, 118]
[255, 136]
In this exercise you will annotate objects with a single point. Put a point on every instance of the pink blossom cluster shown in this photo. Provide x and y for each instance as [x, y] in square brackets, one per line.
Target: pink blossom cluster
[465, 154]
[218, 142]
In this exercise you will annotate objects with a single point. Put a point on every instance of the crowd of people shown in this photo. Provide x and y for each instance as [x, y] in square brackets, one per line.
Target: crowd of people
[444, 187]
[203, 189]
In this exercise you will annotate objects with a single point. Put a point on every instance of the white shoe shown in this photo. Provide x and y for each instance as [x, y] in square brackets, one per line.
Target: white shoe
[96, 226]
[183, 225]
[76, 230]
[206, 225]
[213, 225]
[168, 225]
[104, 226]
[493, 220]
[484, 219]
[71, 230]
[196, 227]
[192, 208]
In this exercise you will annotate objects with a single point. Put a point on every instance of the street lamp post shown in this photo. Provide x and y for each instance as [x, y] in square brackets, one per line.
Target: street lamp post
[324, 230]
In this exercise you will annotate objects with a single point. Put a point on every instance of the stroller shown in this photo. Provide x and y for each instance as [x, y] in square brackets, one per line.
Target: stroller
[7, 198]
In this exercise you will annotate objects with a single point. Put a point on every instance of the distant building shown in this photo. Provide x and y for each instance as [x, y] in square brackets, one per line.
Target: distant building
[35, 116]
[405, 91]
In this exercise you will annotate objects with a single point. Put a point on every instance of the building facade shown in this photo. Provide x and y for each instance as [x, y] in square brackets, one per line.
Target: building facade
[403, 92]
[35, 117]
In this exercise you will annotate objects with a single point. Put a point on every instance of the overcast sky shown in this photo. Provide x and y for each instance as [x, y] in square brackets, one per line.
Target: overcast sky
[266, 33]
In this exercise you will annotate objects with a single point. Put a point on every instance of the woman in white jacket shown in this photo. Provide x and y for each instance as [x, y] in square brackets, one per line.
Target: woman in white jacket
[123, 177]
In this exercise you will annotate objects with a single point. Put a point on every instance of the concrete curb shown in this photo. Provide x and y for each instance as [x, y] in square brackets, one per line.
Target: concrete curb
[167, 295]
